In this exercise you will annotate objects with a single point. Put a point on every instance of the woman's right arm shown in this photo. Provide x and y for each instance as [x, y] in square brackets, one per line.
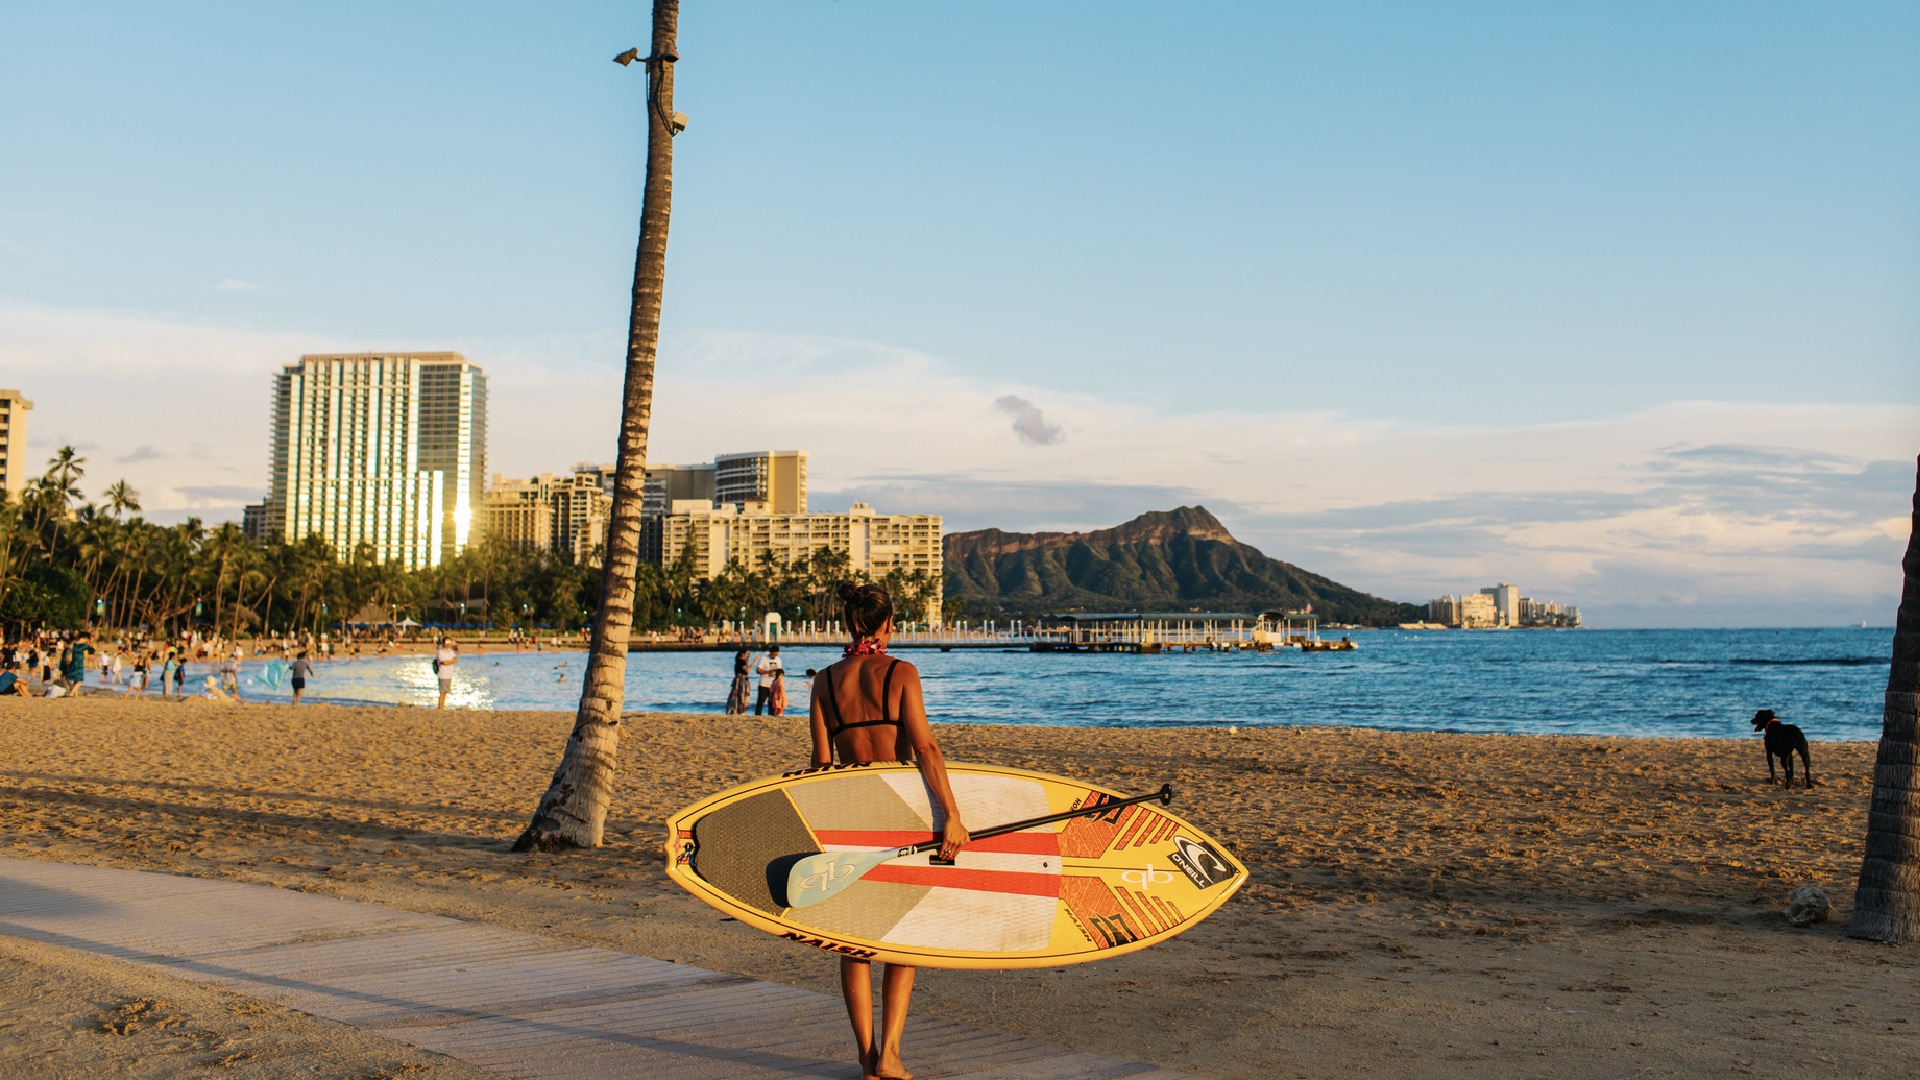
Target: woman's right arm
[932, 763]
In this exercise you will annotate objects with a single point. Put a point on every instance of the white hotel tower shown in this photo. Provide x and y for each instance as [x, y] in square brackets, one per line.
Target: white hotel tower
[389, 449]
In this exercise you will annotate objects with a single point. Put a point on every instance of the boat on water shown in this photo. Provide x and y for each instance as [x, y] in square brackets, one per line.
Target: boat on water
[1345, 644]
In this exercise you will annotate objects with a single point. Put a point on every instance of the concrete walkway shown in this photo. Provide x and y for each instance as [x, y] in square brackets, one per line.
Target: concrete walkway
[516, 1004]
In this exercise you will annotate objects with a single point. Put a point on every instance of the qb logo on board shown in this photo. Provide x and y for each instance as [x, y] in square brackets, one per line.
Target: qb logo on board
[1200, 862]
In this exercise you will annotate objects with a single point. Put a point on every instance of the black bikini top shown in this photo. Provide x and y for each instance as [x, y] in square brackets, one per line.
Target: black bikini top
[836, 723]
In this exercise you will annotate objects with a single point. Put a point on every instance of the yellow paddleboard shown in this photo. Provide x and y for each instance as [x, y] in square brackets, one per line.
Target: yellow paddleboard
[1061, 893]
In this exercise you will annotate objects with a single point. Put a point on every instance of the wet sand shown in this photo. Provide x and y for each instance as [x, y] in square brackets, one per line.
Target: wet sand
[1433, 905]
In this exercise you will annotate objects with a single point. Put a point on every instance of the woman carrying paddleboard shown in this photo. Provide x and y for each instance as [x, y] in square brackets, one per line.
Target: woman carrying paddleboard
[868, 708]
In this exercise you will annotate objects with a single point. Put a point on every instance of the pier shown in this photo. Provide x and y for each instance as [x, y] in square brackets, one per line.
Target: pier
[1144, 634]
[1183, 632]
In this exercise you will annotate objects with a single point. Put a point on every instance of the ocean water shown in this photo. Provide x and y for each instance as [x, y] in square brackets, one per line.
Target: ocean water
[1587, 682]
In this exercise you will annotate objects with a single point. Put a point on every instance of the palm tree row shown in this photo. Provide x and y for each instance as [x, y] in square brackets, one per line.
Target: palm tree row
[66, 562]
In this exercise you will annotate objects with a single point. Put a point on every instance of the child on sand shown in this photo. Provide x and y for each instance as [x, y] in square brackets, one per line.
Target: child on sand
[300, 670]
[867, 708]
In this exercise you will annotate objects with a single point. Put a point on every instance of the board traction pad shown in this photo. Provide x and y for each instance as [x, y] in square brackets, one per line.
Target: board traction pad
[741, 845]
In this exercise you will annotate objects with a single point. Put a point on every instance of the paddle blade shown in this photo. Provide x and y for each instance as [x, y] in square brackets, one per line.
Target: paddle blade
[817, 877]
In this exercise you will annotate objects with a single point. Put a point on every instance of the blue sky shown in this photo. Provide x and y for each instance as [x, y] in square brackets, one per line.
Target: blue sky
[1414, 295]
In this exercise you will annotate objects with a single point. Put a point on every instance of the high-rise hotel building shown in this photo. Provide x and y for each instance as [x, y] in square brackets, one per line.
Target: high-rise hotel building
[13, 442]
[388, 449]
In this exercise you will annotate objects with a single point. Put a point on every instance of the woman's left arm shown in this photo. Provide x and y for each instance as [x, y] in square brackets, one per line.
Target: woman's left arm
[817, 722]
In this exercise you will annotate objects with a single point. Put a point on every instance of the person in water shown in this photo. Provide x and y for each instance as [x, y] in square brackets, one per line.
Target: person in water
[868, 708]
[737, 692]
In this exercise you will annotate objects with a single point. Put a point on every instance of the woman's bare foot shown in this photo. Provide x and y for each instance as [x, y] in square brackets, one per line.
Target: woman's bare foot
[889, 1067]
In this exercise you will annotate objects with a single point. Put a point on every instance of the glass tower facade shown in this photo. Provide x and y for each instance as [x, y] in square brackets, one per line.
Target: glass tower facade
[382, 449]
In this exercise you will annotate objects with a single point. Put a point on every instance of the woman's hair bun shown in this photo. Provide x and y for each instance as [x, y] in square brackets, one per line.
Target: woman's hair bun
[867, 607]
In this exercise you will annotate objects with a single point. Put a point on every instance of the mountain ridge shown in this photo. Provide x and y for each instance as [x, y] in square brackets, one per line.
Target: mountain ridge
[1163, 560]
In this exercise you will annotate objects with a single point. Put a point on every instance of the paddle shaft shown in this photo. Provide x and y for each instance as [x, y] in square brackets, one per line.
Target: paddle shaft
[1165, 795]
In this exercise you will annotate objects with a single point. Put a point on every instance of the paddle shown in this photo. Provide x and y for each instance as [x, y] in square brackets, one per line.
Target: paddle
[816, 877]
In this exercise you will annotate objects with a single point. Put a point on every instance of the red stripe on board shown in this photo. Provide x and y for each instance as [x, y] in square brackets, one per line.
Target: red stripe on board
[1020, 843]
[953, 877]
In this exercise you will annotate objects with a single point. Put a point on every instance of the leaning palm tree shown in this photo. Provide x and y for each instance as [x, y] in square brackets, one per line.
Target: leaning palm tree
[1886, 905]
[573, 812]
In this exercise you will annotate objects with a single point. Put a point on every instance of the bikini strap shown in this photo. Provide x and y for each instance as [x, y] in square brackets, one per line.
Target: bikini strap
[886, 695]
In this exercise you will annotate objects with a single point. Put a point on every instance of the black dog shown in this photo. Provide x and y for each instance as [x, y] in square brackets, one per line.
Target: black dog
[1783, 741]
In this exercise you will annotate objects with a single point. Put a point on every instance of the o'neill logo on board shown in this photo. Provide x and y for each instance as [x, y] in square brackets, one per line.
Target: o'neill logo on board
[1200, 862]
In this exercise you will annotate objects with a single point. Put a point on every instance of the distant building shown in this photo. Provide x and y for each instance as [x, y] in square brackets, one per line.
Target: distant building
[1497, 606]
[14, 466]
[1506, 604]
[874, 544]
[1548, 613]
[777, 478]
[1477, 612]
[387, 449]
[550, 513]
[668, 483]
[514, 513]
[253, 521]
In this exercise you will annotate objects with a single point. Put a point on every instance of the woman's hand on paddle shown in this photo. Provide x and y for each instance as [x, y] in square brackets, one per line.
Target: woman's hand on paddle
[953, 836]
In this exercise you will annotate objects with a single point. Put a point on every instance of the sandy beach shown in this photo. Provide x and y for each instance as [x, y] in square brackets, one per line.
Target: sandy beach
[1432, 905]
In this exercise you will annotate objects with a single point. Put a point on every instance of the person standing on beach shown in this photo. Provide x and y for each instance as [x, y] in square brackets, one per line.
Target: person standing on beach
[180, 677]
[443, 660]
[75, 667]
[777, 701]
[166, 674]
[230, 673]
[737, 693]
[767, 670]
[867, 708]
[299, 672]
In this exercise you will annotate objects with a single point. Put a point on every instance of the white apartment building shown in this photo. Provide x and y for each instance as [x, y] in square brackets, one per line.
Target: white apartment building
[14, 466]
[875, 544]
[387, 449]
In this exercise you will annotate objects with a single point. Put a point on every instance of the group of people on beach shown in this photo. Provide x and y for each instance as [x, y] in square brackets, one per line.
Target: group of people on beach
[45, 665]
[771, 677]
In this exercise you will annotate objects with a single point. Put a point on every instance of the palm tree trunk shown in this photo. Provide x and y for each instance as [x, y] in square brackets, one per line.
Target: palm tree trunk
[573, 812]
[1886, 906]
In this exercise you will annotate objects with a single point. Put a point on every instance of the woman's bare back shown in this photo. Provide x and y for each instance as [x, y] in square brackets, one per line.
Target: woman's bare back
[865, 704]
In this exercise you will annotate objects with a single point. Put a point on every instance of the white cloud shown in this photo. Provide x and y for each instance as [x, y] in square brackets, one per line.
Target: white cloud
[1692, 512]
[236, 285]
